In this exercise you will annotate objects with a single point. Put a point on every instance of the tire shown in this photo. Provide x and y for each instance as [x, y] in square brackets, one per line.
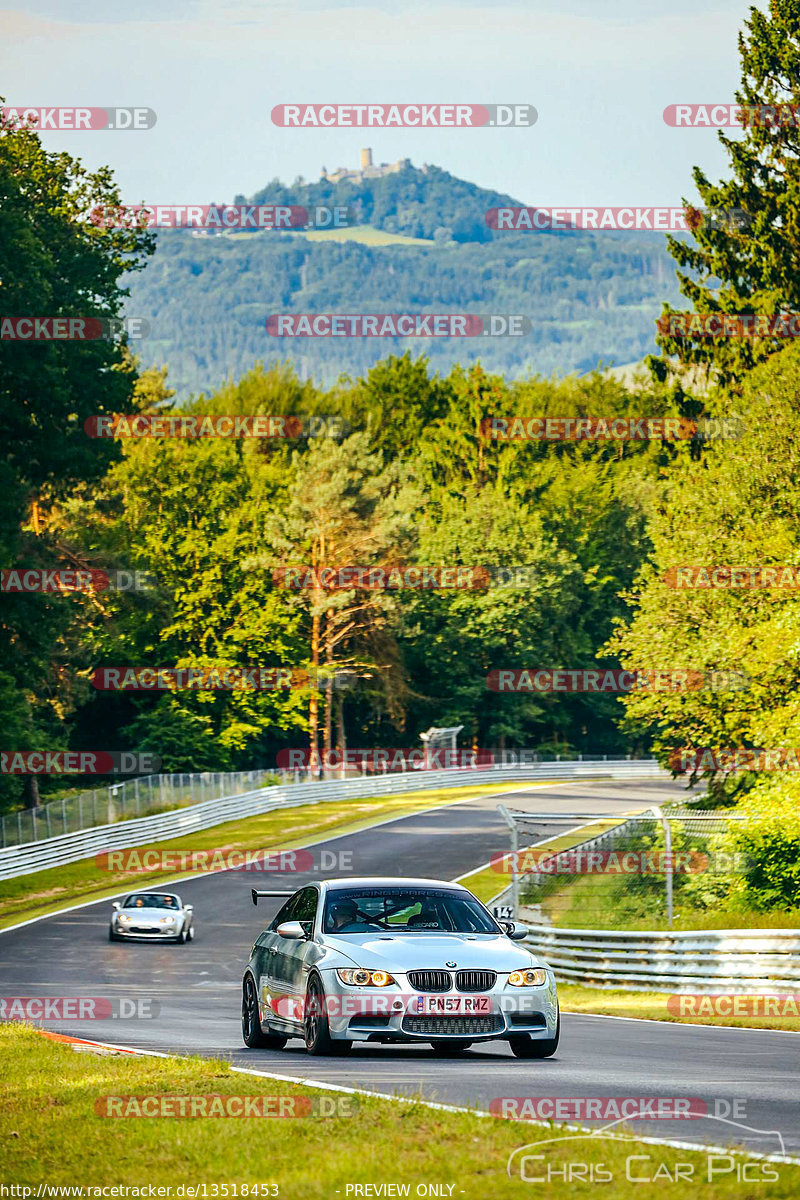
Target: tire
[112, 937]
[252, 1033]
[450, 1048]
[525, 1046]
[190, 933]
[316, 1031]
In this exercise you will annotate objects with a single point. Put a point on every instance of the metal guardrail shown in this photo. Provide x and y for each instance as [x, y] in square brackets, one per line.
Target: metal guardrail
[706, 962]
[126, 799]
[71, 847]
[703, 961]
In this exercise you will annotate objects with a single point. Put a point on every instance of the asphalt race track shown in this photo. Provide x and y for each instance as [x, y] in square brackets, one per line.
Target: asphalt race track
[198, 988]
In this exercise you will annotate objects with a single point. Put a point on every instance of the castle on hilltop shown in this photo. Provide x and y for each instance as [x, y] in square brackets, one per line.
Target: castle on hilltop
[368, 169]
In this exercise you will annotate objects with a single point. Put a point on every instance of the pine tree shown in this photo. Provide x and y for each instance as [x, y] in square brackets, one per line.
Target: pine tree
[745, 257]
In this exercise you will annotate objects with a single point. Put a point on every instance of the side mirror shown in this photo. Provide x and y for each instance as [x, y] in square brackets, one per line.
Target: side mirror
[116, 905]
[188, 908]
[292, 930]
[515, 930]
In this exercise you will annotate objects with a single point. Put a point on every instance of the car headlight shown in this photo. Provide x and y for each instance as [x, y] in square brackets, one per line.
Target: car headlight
[167, 920]
[533, 977]
[361, 977]
[122, 917]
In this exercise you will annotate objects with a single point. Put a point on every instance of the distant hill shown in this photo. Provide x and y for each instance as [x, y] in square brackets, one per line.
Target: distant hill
[591, 297]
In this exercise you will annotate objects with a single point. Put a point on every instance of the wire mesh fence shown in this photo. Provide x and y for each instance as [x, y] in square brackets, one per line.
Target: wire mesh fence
[146, 795]
[140, 797]
[606, 872]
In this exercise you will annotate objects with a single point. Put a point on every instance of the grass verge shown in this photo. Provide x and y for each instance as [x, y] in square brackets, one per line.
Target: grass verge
[574, 997]
[488, 881]
[44, 892]
[51, 1133]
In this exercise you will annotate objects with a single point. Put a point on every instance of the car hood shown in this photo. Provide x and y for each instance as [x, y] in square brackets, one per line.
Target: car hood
[420, 951]
[149, 916]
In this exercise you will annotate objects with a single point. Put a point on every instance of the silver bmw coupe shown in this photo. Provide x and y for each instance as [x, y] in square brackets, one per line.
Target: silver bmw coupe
[395, 960]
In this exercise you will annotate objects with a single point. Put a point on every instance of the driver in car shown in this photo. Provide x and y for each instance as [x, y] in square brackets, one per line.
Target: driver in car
[344, 912]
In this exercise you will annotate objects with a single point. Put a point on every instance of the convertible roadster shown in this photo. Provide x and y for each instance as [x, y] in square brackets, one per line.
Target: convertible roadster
[151, 917]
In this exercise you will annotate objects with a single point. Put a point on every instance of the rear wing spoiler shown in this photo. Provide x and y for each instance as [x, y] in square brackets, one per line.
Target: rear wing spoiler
[255, 893]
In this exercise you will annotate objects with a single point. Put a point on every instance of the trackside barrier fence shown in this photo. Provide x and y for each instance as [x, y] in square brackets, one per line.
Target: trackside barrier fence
[71, 847]
[708, 962]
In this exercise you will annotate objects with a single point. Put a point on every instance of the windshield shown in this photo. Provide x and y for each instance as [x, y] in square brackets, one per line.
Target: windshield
[404, 910]
[151, 900]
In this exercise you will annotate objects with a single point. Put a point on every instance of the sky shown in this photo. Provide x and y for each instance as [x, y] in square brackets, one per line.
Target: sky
[599, 72]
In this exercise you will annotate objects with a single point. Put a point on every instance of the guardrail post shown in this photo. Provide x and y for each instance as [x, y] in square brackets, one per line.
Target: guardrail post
[668, 864]
[512, 825]
[64, 813]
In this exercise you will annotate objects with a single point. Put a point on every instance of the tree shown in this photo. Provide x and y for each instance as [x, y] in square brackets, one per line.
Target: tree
[738, 507]
[345, 508]
[754, 267]
[54, 262]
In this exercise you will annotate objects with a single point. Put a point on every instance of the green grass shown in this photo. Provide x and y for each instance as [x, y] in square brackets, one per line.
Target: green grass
[574, 997]
[367, 235]
[489, 881]
[51, 1133]
[44, 892]
[599, 902]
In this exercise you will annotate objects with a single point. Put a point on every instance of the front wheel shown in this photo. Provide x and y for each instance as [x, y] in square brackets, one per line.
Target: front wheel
[525, 1046]
[252, 1033]
[316, 1030]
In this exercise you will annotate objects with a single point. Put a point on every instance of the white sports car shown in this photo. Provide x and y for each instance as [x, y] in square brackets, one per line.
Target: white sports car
[395, 960]
[151, 917]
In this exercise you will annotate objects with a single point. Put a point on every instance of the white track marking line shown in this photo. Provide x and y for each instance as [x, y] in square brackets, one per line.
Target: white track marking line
[222, 870]
[321, 1085]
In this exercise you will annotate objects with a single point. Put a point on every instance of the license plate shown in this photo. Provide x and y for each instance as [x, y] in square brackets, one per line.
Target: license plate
[449, 1006]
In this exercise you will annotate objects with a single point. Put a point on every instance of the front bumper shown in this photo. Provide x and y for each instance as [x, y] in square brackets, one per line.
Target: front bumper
[388, 1014]
[147, 933]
